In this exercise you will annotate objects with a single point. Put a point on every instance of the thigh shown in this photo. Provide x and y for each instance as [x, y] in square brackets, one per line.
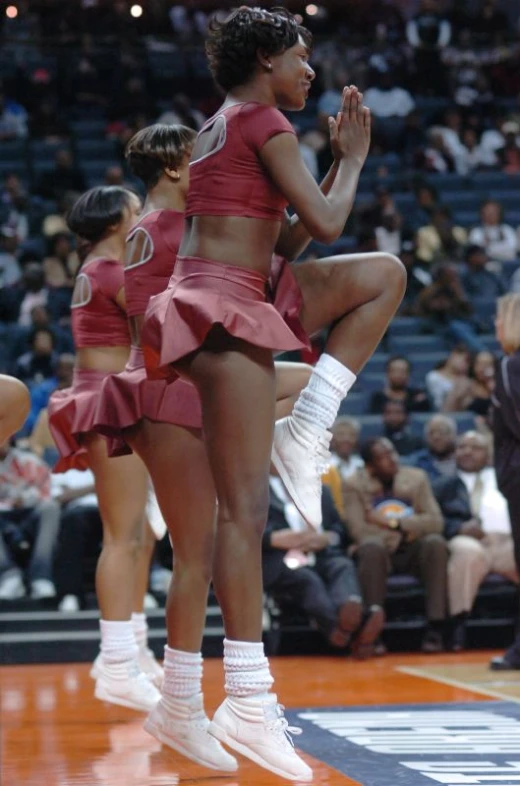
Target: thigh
[236, 384]
[177, 461]
[291, 378]
[334, 286]
[121, 487]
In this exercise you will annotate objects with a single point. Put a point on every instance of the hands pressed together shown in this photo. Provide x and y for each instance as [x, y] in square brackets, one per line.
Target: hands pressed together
[350, 129]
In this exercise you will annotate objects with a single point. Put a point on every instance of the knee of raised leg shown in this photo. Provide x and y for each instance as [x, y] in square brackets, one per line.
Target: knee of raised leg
[464, 547]
[392, 273]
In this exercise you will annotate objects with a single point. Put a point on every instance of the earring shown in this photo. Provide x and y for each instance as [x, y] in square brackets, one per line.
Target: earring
[269, 67]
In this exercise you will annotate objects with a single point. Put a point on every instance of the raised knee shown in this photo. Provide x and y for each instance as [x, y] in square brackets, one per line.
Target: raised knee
[392, 273]
[466, 548]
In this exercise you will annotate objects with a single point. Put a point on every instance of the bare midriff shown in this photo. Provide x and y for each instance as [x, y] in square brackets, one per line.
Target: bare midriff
[232, 240]
[109, 359]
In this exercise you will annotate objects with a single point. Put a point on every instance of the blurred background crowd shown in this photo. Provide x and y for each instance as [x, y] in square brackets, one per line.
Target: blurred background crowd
[440, 189]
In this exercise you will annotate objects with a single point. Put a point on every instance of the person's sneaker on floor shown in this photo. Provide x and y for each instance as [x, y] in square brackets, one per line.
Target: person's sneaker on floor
[42, 589]
[509, 661]
[432, 642]
[126, 685]
[11, 585]
[69, 604]
[182, 725]
[150, 666]
[300, 456]
[365, 639]
[256, 728]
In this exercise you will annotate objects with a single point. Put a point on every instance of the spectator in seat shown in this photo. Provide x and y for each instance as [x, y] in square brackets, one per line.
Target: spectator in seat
[509, 155]
[437, 459]
[441, 239]
[474, 394]
[40, 361]
[499, 239]
[13, 119]
[451, 377]
[428, 33]
[477, 526]
[309, 569]
[31, 294]
[41, 392]
[29, 520]
[386, 100]
[491, 23]
[398, 388]
[478, 281]
[446, 310]
[436, 156]
[396, 428]
[10, 270]
[396, 524]
[418, 277]
[472, 157]
[63, 178]
[344, 460]
[61, 264]
[81, 533]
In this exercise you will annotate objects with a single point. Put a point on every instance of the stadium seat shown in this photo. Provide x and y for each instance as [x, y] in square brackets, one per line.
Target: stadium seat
[354, 404]
[405, 344]
[405, 326]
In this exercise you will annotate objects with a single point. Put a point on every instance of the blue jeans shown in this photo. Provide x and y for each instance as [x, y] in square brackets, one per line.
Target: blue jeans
[38, 526]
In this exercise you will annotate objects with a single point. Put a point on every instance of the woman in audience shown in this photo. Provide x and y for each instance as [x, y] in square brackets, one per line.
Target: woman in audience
[499, 239]
[101, 218]
[451, 377]
[474, 392]
[506, 428]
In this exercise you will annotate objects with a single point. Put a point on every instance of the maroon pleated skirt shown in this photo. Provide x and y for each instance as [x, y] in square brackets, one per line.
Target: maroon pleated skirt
[201, 294]
[128, 397]
[285, 295]
[72, 412]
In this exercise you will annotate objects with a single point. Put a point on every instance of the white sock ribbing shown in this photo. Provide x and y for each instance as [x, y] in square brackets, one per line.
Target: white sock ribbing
[117, 641]
[140, 627]
[319, 402]
[182, 674]
[246, 668]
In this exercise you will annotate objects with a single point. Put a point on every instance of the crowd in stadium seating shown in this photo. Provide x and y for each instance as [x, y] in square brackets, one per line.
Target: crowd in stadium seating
[440, 189]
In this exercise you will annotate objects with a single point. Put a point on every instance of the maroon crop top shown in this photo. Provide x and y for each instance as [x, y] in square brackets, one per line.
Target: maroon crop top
[97, 319]
[152, 247]
[231, 180]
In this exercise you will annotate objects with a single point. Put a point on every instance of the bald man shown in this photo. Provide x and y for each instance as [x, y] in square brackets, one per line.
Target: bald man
[477, 527]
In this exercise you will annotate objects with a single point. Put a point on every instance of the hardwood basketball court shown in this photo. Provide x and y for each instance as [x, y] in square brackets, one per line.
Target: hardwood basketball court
[383, 722]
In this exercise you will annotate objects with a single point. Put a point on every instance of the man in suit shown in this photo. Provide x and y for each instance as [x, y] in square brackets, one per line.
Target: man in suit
[309, 569]
[396, 524]
[477, 527]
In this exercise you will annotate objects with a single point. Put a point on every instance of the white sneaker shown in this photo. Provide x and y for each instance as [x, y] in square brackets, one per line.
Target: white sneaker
[42, 588]
[126, 685]
[11, 585]
[69, 604]
[183, 725]
[256, 728]
[150, 666]
[301, 455]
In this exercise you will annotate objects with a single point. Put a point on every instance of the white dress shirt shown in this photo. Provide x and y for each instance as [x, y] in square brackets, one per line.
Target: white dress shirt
[494, 514]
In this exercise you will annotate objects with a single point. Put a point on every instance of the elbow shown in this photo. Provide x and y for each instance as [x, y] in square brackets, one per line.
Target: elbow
[326, 233]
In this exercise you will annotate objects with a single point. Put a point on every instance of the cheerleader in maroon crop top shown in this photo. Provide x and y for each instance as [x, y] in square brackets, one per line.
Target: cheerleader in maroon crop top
[124, 670]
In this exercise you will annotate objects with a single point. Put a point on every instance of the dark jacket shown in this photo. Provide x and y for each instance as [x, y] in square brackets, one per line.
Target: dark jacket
[276, 521]
[506, 422]
[453, 498]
